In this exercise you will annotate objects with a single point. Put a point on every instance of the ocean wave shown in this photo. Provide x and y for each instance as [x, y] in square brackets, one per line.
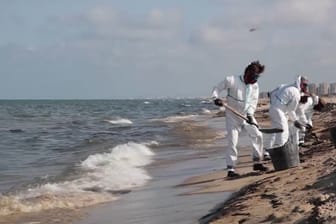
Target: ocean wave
[151, 143]
[102, 178]
[177, 118]
[206, 102]
[206, 111]
[119, 121]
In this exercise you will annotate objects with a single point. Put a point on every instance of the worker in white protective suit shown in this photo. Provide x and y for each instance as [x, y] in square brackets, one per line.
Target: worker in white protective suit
[314, 103]
[308, 104]
[242, 95]
[304, 113]
[284, 101]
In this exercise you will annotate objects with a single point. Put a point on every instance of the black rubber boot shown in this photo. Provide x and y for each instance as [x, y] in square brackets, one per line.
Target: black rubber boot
[259, 167]
[267, 157]
[232, 174]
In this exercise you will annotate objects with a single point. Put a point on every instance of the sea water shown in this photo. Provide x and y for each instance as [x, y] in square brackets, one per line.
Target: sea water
[78, 153]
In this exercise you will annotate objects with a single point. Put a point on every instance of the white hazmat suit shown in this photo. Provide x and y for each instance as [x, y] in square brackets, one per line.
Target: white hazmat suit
[304, 113]
[309, 108]
[283, 104]
[243, 98]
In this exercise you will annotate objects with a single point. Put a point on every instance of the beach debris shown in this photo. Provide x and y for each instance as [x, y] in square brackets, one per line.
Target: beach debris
[330, 162]
[276, 217]
[241, 213]
[268, 196]
[242, 220]
[276, 202]
[324, 210]
[297, 209]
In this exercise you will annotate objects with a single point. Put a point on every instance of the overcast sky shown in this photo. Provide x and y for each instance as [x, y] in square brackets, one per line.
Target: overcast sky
[85, 49]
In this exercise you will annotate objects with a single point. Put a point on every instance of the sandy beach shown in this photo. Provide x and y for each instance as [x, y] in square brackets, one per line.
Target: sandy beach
[303, 194]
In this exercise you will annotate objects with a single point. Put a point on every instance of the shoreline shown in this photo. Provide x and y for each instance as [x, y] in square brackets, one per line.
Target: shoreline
[305, 194]
[144, 203]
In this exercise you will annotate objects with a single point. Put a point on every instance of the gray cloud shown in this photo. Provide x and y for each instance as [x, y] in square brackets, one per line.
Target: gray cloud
[110, 53]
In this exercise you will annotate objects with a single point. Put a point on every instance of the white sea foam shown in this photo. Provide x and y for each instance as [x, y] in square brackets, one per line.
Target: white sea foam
[206, 111]
[122, 168]
[151, 143]
[174, 119]
[206, 102]
[120, 121]
[186, 105]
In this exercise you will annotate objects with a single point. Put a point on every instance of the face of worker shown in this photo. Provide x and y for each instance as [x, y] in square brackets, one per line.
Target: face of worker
[304, 87]
[251, 76]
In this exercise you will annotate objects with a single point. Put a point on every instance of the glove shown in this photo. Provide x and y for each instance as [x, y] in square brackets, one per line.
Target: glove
[304, 99]
[298, 124]
[308, 126]
[218, 102]
[251, 120]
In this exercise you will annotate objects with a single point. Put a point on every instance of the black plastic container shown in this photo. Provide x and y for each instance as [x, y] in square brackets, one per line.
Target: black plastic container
[285, 157]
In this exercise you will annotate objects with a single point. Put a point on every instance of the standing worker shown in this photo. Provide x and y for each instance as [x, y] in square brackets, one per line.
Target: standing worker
[283, 104]
[242, 95]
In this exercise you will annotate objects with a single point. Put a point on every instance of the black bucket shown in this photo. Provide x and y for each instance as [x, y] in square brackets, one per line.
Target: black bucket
[285, 157]
[332, 132]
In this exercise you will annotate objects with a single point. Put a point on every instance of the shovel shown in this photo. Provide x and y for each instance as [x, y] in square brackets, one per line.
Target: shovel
[263, 130]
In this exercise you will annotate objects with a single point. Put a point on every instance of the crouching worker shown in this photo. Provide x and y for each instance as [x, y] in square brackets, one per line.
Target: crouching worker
[297, 134]
[308, 105]
[283, 104]
[242, 96]
[304, 112]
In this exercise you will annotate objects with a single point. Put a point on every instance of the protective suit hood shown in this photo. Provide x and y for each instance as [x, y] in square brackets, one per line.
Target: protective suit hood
[298, 81]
